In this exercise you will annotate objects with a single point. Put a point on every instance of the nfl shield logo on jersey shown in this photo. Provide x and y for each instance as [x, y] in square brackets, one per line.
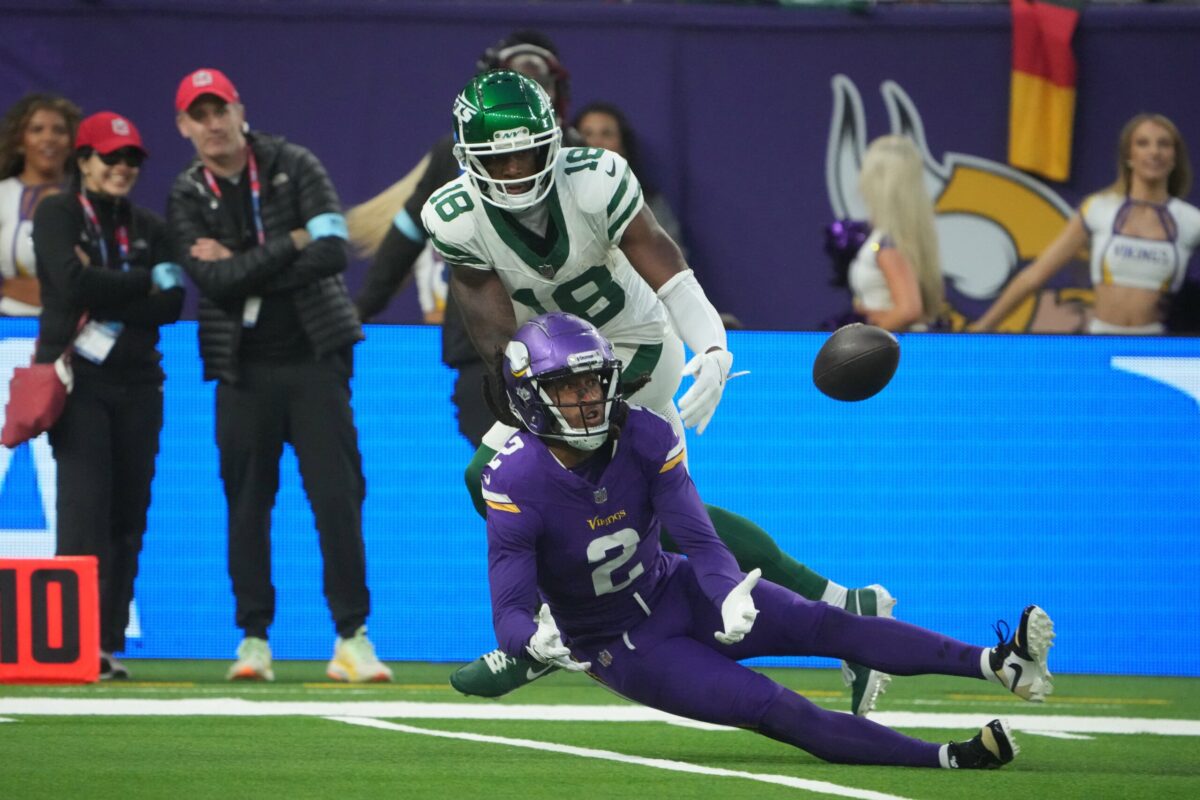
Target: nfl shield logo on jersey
[605, 658]
[546, 271]
[600, 494]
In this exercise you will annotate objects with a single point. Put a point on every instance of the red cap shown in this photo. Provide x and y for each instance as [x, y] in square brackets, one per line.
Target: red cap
[106, 131]
[205, 81]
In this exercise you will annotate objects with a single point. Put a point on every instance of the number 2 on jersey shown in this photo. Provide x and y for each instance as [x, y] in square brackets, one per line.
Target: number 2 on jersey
[598, 549]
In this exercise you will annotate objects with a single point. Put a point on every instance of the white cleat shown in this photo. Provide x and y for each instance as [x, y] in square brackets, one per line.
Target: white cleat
[1020, 664]
[866, 684]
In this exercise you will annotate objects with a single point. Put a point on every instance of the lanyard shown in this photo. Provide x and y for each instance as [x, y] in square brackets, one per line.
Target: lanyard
[255, 192]
[121, 234]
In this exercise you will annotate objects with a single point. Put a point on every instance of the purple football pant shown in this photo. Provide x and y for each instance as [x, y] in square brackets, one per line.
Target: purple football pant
[671, 662]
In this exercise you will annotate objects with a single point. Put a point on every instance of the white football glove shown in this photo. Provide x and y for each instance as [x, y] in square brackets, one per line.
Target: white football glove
[698, 403]
[546, 644]
[738, 611]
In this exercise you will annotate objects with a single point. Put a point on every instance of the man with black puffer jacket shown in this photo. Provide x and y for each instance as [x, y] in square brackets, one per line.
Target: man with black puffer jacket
[257, 224]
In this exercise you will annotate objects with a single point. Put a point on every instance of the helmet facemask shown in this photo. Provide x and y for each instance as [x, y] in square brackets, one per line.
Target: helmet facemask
[499, 114]
[559, 374]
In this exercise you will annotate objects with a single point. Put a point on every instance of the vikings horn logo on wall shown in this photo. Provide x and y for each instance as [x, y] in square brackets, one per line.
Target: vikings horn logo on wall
[991, 219]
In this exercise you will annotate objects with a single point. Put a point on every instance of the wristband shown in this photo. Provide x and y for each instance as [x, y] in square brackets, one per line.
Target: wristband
[329, 224]
[411, 230]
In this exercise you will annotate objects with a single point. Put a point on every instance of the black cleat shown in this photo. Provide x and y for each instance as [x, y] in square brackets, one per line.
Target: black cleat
[111, 669]
[991, 748]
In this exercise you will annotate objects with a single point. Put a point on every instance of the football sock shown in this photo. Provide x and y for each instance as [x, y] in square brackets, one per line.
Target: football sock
[835, 594]
[474, 477]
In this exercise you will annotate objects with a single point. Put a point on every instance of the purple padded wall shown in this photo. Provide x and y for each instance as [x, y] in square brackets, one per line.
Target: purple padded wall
[733, 104]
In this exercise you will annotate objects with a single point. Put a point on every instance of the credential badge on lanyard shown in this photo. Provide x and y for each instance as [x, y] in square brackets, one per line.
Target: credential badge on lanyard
[253, 303]
[96, 340]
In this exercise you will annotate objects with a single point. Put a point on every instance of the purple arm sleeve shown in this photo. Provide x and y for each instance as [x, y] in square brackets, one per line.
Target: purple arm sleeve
[512, 574]
[678, 505]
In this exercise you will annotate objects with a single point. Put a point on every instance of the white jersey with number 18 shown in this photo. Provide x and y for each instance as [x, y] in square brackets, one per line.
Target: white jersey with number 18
[576, 266]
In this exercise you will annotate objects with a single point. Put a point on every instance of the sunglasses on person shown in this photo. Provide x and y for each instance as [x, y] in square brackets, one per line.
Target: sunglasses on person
[129, 156]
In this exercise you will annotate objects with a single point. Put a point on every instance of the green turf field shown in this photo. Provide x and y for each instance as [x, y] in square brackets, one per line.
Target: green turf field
[562, 737]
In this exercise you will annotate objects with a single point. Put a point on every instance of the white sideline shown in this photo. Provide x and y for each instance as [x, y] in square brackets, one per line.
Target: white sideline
[820, 787]
[240, 707]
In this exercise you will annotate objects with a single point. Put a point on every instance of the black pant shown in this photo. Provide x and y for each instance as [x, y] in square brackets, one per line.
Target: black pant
[474, 417]
[105, 444]
[308, 406]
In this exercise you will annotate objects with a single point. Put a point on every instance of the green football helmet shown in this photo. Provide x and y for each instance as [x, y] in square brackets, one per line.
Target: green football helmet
[501, 113]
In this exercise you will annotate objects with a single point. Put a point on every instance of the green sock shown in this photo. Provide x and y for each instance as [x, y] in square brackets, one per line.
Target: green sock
[754, 547]
[474, 477]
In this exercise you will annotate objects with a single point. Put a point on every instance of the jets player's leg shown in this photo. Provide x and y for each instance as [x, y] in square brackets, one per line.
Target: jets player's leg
[753, 547]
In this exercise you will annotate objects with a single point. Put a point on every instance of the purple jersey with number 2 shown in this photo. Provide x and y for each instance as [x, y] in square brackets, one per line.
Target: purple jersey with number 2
[593, 548]
[645, 619]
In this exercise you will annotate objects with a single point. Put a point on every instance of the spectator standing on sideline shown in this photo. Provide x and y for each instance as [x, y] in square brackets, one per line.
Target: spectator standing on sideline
[601, 124]
[1140, 231]
[388, 227]
[106, 262]
[259, 228]
[36, 137]
[575, 505]
[896, 278]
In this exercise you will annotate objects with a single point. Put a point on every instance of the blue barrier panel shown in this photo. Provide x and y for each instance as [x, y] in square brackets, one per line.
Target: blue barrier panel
[994, 471]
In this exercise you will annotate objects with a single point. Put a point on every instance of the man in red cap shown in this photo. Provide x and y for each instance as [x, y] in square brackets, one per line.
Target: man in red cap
[258, 226]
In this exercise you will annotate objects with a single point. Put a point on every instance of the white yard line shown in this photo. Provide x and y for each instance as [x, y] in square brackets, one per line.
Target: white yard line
[819, 787]
[1059, 735]
[241, 707]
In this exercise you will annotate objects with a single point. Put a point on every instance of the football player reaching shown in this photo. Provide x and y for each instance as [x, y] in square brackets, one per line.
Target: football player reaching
[531, 227]
[576, 501]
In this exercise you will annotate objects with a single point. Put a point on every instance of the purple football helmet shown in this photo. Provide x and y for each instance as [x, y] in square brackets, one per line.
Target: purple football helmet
[551, 347]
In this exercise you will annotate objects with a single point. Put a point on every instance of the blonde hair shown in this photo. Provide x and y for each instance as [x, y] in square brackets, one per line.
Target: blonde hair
[1179, 182]
[893, 185]
[369, 222]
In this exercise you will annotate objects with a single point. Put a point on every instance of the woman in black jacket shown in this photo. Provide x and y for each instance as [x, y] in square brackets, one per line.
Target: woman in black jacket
[107, 286]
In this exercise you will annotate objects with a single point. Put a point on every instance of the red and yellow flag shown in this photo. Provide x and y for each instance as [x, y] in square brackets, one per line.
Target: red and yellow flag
[1042, 107]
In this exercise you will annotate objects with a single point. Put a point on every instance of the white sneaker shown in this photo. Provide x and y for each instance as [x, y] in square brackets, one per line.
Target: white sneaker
[354, 661]
[253, 661]
[1020, 663]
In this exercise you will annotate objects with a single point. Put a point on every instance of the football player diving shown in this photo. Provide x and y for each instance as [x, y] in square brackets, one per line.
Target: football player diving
[579, 580]
[530, 227]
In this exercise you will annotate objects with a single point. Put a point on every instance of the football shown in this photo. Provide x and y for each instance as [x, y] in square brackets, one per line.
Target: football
[856, 362]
